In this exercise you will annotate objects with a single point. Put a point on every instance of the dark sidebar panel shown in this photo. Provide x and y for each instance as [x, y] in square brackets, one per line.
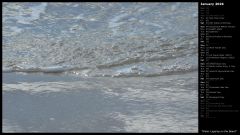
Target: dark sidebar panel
[218, 67]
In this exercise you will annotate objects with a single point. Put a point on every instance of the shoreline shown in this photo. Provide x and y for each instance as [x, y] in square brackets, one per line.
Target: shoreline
[53, 103]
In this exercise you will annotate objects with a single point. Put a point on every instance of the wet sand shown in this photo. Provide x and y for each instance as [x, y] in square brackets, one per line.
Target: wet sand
[60, 103]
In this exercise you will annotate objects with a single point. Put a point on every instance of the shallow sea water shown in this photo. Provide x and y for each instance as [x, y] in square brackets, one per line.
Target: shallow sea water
[100, 67]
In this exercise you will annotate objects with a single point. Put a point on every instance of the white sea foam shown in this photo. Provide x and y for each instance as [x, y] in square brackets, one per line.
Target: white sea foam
[100, 67]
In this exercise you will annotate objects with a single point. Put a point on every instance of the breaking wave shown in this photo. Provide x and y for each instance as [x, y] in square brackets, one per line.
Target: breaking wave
[128, 42]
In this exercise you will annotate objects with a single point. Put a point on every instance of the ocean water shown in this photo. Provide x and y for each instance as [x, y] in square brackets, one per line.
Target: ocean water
[100, 67]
